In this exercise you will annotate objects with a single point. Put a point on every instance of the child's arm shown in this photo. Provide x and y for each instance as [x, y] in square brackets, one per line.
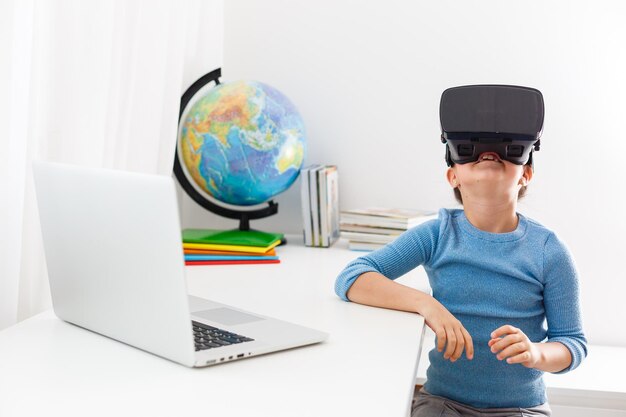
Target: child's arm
[413, 248]
[566, 346]
[374, 289]
[369, 280]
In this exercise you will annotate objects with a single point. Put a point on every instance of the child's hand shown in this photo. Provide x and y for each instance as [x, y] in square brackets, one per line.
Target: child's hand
[510, 342]
[450, 332]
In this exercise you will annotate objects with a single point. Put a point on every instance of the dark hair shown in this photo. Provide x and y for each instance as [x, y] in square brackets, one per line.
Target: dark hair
[457, 193]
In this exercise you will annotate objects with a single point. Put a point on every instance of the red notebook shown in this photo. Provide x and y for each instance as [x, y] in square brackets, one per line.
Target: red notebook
[266, 261]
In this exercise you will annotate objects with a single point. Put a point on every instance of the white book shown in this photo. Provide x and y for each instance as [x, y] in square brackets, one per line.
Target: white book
[392, 218]
[305, 197]
[364, 246]
[368, 237]
[314, 193]
[323, 207]
[329, 204]
[332, 198]
[370, 229]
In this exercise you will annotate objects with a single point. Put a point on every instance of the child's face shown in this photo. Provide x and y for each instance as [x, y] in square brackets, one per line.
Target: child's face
[489, 179]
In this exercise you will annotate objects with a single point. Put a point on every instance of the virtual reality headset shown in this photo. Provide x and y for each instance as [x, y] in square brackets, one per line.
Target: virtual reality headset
[505, 119]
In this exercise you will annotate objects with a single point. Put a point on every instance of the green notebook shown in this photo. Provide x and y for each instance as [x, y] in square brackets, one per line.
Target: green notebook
[231, 237]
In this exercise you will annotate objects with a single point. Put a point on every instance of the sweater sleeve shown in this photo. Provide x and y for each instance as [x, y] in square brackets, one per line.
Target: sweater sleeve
[411, 249]
[562, 301]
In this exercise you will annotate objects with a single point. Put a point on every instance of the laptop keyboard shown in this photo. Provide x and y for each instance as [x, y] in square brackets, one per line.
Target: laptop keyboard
[207, 337]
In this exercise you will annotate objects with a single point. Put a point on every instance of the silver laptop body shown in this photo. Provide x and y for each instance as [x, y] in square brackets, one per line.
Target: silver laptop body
[115, 263]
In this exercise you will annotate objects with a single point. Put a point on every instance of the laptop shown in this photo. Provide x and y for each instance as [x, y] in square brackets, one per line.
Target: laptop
[113, 248]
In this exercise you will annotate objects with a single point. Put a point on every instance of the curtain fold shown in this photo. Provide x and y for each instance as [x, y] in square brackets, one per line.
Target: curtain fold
[90, 83]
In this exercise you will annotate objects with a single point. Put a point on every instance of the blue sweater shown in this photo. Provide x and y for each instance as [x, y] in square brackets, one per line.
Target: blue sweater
[525, 278]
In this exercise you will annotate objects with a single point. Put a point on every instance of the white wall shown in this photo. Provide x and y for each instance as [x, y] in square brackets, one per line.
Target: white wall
[90, 83]
[367, 77]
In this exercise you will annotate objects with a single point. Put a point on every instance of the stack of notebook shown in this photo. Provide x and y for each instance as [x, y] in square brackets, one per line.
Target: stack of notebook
[223, 247]
[372, 228]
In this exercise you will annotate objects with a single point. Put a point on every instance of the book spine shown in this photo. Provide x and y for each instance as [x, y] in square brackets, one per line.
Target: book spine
[368, 237]
[332, 197]
[323, 207]
[382, 222]
[364, 246]
[318, 206]
[314, 193]
[363, 220]
[369, 229]
[305, 197]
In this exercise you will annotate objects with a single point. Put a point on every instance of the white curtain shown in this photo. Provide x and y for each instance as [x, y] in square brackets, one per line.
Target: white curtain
[93, 83]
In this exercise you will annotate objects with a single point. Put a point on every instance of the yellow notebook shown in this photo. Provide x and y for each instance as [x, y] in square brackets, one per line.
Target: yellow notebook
[271, 252]
[231, 248]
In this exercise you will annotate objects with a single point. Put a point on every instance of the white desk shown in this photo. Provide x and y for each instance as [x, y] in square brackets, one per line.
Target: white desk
[366, 368]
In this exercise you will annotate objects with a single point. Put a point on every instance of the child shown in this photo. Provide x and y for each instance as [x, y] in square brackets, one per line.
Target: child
[496, 278]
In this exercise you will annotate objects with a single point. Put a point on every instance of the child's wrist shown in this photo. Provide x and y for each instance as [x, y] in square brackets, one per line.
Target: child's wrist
[539, 356]
[422, 303]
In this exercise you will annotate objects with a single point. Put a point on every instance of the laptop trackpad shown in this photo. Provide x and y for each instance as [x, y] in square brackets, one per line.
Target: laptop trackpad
[227, 316]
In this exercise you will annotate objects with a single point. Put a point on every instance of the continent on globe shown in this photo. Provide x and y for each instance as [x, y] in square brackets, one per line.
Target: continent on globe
[242, 142]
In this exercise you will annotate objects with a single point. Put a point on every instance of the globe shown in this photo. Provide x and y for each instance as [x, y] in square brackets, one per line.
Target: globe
[241, 142]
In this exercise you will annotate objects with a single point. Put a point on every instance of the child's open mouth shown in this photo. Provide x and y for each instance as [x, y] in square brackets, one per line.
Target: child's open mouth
[489, 157]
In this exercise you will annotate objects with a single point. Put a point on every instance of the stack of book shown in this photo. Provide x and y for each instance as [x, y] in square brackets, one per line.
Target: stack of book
[372, 228]
[223, 247]
[320, 205]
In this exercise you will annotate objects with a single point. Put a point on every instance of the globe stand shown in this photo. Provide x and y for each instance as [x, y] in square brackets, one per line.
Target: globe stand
[244, 216]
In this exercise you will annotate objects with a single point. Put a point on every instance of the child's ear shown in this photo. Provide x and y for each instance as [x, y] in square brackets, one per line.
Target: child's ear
[451, 177]
[527, 175]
